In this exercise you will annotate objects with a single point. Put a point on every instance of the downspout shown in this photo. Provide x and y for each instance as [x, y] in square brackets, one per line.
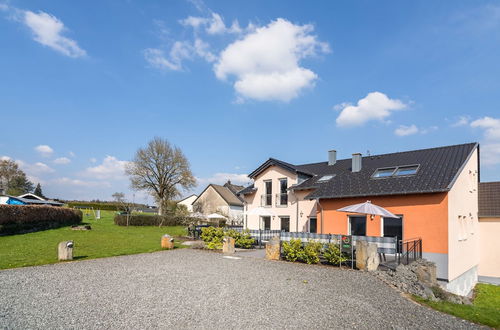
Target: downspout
[297, 212]
[321, 207]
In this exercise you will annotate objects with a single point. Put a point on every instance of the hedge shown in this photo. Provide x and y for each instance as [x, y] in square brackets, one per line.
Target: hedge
[27, 218]
[152, 220]
[96, 206]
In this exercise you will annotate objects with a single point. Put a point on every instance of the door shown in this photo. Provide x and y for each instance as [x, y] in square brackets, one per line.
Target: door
[313, 225]
[285, 224]
[357, 225]
[393, 227]
[266, 223]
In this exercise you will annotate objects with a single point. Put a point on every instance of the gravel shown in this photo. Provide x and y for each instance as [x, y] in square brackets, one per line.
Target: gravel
[199, 289]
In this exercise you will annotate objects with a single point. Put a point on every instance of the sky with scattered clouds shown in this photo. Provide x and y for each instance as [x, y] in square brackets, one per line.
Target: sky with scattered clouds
[84, 84]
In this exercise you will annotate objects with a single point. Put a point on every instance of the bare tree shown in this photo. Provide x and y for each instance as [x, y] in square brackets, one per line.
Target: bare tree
[125, 206]
[162, 170]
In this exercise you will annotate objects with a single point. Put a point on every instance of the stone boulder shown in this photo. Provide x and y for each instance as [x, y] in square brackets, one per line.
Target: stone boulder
[228, 245]
[273, 249]
[65, 250]
[367, 256]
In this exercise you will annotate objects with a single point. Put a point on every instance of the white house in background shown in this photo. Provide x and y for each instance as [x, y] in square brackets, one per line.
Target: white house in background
[188, 201]
[221, 199]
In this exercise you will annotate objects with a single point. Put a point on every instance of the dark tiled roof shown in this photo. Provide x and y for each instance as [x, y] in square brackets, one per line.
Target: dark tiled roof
[489, 199]
[247, 190]
[227, 195]
[438, 168]
[280, 163]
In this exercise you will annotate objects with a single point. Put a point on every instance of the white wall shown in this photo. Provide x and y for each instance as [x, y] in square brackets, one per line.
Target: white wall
[463, 229]
[189, 202]
[489, 247]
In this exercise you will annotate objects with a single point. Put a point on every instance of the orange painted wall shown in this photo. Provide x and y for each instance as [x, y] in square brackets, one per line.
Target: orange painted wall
[424, 215]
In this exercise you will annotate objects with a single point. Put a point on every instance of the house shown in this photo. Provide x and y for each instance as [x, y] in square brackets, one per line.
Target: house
[188, 202]
[433, 191]
[27, 199]
[489, 230]
[222, 200]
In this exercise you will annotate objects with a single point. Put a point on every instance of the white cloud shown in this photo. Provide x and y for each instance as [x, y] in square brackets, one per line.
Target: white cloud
[48, 30]
[44, 150]
[76, 182]
[490, 148]
[490, 125]
[71, 154]
[375, 106]
[461, 121]
[62, 161]
[4, 7]
[266, 62]
[93, 160]
[403, 130]
[36, 168]
[5, 158]
[213, 25]
[221, 178]
[110, 168]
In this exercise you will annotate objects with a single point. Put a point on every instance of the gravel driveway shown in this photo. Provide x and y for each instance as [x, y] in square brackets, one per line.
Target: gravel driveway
[199, 289]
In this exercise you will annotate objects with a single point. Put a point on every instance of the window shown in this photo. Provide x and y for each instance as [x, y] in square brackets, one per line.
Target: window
[313, 225]
[357, 225]
[395, 171]
[266, 222]
[267, 198]
[325, 178]
[384, 172]
[406, 170]
[285, 224]
[283, 196]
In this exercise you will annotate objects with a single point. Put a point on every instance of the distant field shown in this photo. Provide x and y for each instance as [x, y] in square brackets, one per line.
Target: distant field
[104, 240]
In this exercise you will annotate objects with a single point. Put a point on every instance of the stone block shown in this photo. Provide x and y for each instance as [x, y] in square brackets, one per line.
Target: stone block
[426, 273]
[228, 245]
[367, 256]
[273, 249]
[65, 250]
[167, 242]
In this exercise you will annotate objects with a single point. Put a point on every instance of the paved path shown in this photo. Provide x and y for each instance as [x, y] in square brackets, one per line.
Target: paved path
[199, 289]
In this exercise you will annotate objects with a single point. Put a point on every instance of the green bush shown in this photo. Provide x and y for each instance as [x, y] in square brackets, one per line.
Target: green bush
[333, 255]
[150, 220]
[212, 236]
[292, 250]
[311, 252]
[25, 218]
[241, 239]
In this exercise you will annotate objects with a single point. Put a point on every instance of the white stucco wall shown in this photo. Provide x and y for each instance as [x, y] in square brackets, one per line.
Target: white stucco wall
[463, 227]
[489, 247]
[296, 203]
[189, 202]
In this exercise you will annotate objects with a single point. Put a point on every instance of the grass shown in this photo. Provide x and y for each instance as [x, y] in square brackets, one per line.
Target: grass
[104, 240]
[484, 310]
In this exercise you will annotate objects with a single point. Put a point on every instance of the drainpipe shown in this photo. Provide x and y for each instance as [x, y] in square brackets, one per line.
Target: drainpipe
[321, 207]
[297, 212]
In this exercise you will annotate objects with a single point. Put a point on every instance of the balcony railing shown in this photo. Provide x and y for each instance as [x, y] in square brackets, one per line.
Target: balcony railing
[282, 199]
[266, 200]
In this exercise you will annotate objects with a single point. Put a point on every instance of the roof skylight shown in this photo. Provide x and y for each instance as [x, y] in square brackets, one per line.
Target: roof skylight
[325, 178]
[395, 171]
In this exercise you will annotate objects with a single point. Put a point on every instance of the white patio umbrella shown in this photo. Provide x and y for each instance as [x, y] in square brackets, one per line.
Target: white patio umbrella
[261, 211]
[216, 216]
[368, 208]
[198, 215]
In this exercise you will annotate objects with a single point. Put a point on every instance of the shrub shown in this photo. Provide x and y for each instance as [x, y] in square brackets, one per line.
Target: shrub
[212, 236]
[310, 253]
[333, 255]
[25, 218]
[241, 239]
[292, 250]
[150, 220]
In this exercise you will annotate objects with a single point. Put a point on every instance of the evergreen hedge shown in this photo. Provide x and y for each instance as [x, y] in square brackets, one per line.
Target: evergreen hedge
[152, 220]
[26, 218]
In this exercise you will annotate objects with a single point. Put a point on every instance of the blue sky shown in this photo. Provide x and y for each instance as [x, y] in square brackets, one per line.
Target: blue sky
[84, 84]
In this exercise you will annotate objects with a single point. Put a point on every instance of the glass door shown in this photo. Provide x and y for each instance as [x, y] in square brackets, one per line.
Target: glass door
[357, 225]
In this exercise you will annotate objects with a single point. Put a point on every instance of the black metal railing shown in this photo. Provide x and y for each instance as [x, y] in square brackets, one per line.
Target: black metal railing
[282, 199]
[266, 200]
[409, 250]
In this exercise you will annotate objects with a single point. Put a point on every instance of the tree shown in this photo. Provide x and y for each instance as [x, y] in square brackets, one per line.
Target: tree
[125, 206]
[162, 170]
[38, 190]
[13, 180]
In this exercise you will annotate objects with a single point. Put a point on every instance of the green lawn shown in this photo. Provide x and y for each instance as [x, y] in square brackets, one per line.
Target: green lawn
[484, 310]
[104, 240]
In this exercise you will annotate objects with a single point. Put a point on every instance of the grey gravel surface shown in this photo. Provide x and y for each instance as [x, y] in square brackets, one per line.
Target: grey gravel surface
[199, 289]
